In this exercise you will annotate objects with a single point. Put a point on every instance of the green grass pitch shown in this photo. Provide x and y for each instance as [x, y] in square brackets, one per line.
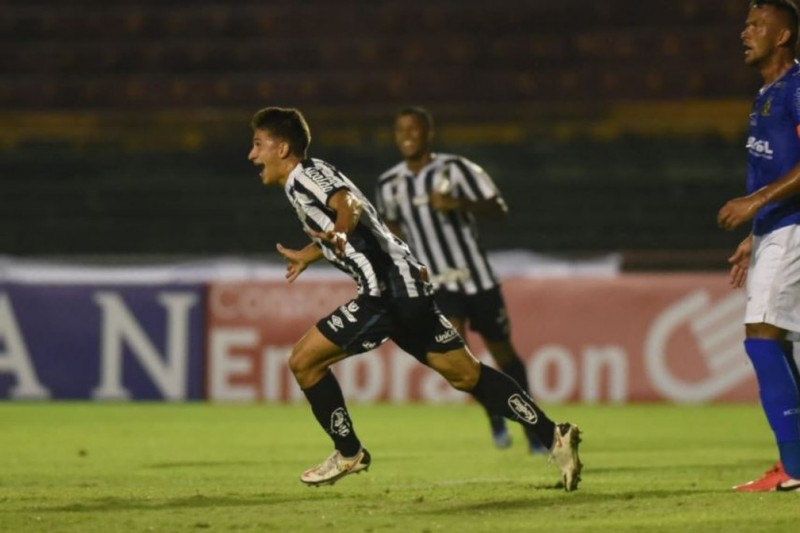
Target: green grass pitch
[79, 467]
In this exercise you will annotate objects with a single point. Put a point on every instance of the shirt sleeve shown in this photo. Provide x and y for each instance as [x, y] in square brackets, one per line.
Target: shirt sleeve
[474, 182]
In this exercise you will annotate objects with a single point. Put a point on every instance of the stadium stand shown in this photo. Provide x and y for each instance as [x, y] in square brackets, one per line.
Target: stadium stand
[123, 126]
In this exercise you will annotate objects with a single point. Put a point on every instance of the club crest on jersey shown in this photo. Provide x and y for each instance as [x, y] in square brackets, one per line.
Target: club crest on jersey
[766, 110]
[340, 423]
[522, 409]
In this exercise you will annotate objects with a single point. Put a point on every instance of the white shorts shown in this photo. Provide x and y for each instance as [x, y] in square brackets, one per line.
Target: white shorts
[773, 280]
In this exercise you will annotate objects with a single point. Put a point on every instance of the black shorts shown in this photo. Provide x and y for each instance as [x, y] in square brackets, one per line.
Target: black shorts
[415, 324]
[485, 311]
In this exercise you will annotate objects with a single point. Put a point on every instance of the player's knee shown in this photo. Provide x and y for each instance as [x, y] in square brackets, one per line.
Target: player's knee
[465, 381]
[461, 373]
[299, 364]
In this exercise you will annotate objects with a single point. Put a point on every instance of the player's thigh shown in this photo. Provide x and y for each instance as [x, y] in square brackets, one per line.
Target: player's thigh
[312, 354]
[358, 326]
[773, 280]
[488, 315]
[421, 329]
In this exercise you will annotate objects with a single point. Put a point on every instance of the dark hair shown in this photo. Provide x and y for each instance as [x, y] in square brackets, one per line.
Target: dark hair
[287, 124]
[417, 111]
[788, 8]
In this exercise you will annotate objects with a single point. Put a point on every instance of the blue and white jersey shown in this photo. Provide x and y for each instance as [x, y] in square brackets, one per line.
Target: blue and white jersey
[380, 263]
[773, 146]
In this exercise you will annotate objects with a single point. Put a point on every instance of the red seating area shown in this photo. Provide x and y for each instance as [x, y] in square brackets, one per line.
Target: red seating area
[167, 54]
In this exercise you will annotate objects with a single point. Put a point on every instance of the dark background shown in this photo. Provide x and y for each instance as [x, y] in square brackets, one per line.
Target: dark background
[609, 125]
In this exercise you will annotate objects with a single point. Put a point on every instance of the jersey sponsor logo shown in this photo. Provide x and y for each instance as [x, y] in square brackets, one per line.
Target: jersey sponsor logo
[326, 183]
[335, 323]
[368, 345]
[447, 336]
[452, 275]
[759, 148]
[340, 423]
[420, 200]
[522, 409]
[450, 332]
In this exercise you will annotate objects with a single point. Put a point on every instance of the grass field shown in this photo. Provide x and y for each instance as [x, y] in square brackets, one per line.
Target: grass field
[195, 467]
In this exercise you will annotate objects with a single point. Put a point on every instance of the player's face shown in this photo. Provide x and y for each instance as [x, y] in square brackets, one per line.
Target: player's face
[761, 34]
[268, 153]
[412, 136]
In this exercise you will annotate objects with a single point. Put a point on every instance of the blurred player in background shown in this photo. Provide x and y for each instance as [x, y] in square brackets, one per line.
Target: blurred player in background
[431, 200]
[394, 302]
[768, 259]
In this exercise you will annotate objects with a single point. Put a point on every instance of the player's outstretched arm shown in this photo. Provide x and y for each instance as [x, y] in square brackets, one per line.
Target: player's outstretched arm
[298, 260]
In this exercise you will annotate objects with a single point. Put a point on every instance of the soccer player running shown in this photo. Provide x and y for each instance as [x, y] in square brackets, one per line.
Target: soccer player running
[394, 302]
[768, 260]
[431, 200]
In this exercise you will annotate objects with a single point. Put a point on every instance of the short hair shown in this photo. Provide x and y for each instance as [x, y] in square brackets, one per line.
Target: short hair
[419, 112]
[288, 124]
[788, 8]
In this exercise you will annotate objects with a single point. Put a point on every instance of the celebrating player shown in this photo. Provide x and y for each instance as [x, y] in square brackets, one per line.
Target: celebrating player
[432, 201]
[768, 259]
[394, 302]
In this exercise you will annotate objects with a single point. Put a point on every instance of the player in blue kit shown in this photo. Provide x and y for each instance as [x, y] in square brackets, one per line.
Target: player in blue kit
[395, 301]
[768, 260]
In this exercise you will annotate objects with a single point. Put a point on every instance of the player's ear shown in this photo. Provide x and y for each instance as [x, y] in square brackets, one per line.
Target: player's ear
[784, 36]
[284, 150]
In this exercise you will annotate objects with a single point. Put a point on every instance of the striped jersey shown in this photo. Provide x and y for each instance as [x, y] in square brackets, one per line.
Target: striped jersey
[773, 148]
[445, 241]
[380, 263]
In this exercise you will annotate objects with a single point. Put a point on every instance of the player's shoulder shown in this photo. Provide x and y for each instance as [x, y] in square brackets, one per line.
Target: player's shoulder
[320, 173]
[393, 173]
[792, 81]
[461, 161]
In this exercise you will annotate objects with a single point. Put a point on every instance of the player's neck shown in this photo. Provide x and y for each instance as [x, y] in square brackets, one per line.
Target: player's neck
[416, 164]
[775, 69]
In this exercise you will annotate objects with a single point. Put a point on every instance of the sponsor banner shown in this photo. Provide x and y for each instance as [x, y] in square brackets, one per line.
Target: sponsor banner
[105, 342]
[649, 337]
[653, 337]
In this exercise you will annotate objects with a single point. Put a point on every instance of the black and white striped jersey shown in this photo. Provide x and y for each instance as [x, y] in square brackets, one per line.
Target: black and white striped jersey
[380, 263]
[445, 241]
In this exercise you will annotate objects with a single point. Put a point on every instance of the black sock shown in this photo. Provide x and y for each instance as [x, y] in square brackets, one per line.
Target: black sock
[516, 370]
[327, 403]
[501, 394]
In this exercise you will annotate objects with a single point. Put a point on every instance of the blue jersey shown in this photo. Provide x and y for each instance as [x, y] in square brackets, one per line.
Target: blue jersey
[773, 146]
